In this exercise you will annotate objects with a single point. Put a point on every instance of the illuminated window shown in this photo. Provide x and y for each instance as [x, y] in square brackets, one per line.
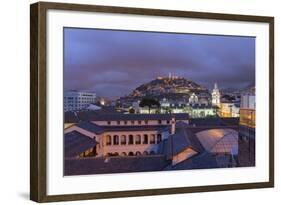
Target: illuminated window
[138, 139]
[108, 140]
[123, 140]
[152, 139]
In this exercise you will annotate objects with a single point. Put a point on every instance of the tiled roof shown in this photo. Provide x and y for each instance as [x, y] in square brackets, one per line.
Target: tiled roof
[76, 143]
[219, 140]
[92, 116]
[99, 129]
[182, 139]
[70, 117]
[200, 161]
[87, 166]
[216, 121]
[91, 127]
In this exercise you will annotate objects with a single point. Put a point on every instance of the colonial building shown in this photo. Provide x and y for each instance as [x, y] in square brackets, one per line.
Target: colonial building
[193, 99]
[125, 134]
[202, 110]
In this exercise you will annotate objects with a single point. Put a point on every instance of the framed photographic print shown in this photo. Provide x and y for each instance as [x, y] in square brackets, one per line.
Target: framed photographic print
[135, 102]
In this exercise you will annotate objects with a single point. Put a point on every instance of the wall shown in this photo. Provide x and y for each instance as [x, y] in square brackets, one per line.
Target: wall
[14, 41]
[130, 147]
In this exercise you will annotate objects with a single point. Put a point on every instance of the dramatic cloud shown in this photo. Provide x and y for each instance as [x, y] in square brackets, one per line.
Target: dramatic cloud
[113, 63]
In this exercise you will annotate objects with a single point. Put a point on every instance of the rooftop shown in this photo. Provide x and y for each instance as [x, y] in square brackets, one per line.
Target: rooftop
[182, 139]
[111, 165]
[120, 116]
[70, 117]
[214, 121]
[204, 160]
[76, 143]
[219, 140]
[74, 117]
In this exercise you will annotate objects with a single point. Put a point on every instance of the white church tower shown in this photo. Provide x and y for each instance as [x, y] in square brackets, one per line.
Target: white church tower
[216, 96]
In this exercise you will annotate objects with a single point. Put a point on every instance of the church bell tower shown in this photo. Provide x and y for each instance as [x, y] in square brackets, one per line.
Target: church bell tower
[216, 96]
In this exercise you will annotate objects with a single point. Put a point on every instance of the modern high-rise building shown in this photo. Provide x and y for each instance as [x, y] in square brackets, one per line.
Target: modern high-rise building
[76, 100]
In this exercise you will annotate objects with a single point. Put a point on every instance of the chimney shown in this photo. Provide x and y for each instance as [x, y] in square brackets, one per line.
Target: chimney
[173, 127]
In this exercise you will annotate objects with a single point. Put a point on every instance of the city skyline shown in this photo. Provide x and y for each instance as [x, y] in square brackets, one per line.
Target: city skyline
[113, 63]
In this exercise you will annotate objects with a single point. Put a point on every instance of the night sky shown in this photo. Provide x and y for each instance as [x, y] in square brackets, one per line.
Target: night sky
[113, 63]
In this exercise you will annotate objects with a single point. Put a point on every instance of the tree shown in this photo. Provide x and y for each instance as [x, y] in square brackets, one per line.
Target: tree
[149, 102]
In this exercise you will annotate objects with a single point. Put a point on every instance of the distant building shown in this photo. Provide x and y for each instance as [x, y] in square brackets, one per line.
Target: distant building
[193, 107]
[216, 96]
[202, 110]
[93, 107]
[229, 109]
[193, 99]
[247, 126]
[76, 100]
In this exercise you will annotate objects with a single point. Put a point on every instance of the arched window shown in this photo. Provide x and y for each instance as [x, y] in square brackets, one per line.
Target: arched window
[116, 140]
[123, 140]
[152, 139]
[115, 154]
[138, 139]
[145, 139]
[131, 139]
[145, 153]
[138, 153]
[159, 138]
[131, 154]
[108, 140]
[123, 154]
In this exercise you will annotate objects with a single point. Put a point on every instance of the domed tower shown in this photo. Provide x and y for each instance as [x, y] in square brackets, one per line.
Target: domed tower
[216, 96]
[193, 99]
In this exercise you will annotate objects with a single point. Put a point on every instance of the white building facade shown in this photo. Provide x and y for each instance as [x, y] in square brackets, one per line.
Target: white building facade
[76, 100]
[216, 96]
